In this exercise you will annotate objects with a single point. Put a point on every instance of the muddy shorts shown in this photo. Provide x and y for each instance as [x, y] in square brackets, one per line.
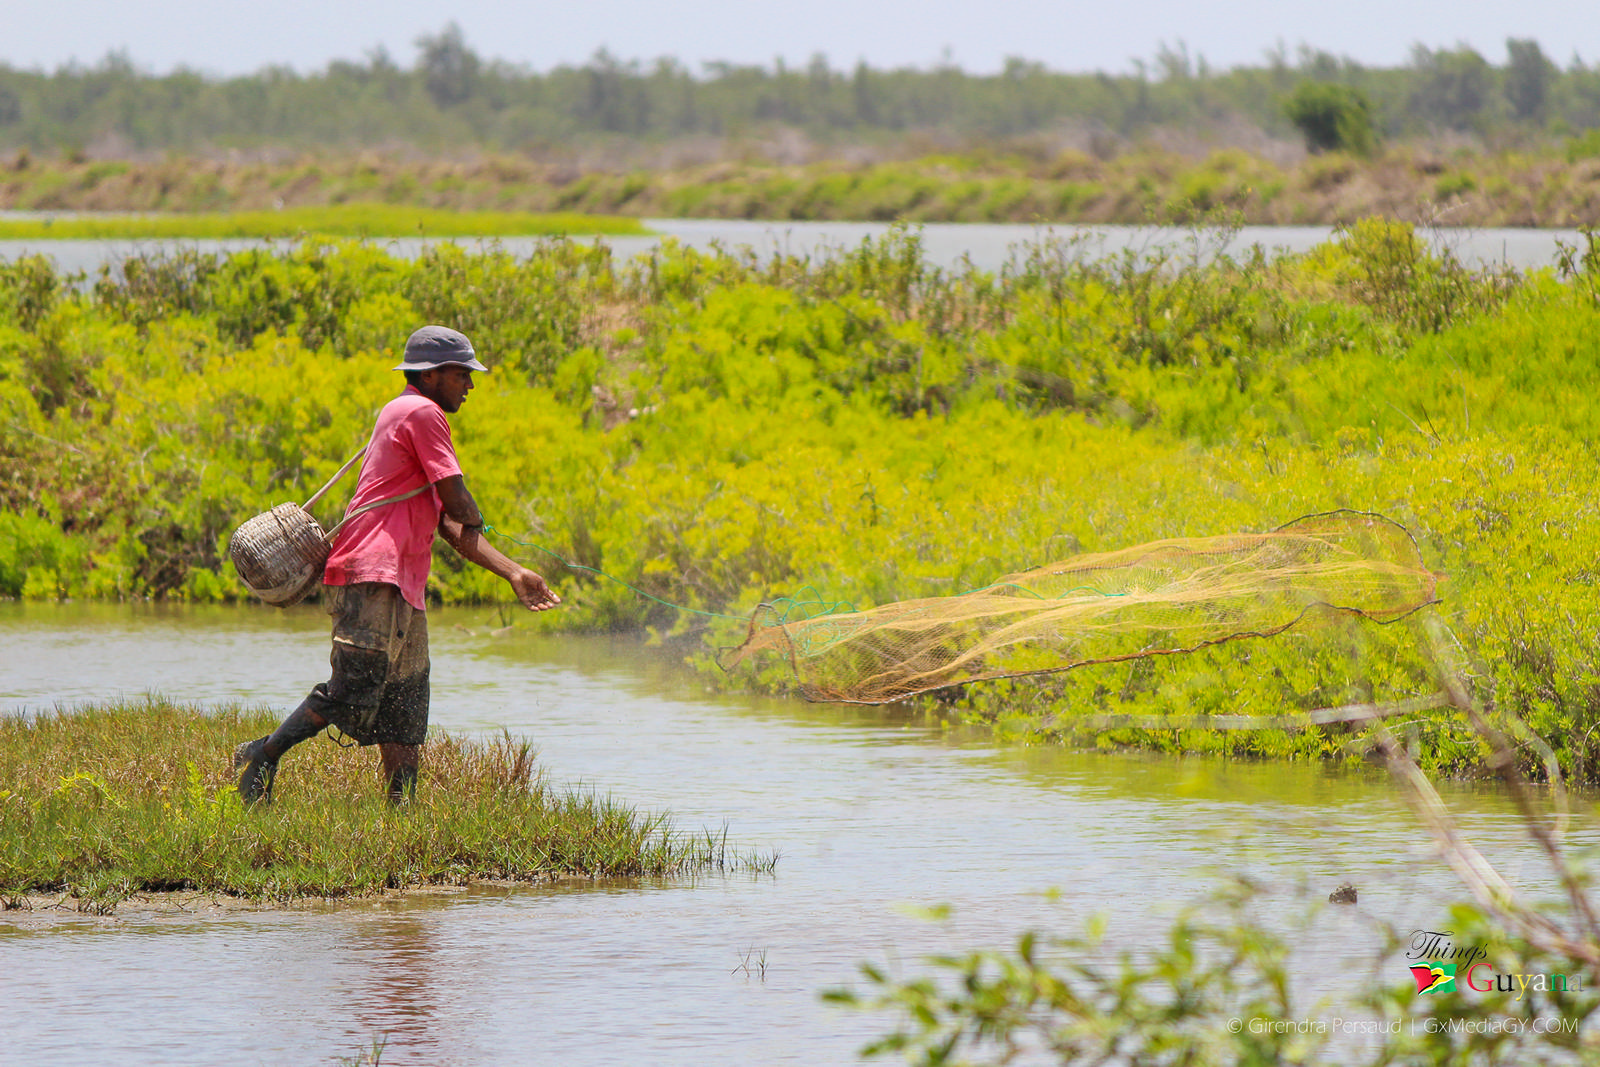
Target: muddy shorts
[379, 690]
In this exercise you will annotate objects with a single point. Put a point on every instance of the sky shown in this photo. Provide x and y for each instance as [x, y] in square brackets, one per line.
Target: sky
[230, 37]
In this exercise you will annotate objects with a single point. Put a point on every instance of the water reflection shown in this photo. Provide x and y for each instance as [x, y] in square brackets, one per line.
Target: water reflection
[396, 956]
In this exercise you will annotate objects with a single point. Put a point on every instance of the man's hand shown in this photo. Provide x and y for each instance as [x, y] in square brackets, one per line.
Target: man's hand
[468, 540]
[532, 591]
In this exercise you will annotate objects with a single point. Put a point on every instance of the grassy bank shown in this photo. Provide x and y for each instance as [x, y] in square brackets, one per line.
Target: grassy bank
[344, 220]
[717, 431]
[1460, 188]
[111, 800]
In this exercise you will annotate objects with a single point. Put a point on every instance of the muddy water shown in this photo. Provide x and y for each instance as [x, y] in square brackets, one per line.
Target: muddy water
[874, 813]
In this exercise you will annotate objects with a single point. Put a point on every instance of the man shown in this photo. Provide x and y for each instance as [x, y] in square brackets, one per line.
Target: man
[377, 571]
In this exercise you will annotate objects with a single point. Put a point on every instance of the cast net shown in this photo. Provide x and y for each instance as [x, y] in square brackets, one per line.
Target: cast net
[1156, 599]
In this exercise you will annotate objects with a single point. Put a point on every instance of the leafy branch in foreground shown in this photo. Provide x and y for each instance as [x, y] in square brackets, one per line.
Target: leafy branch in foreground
[1055, 996]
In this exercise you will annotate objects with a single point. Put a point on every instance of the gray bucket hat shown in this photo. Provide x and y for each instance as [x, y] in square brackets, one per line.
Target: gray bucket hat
[433, 347]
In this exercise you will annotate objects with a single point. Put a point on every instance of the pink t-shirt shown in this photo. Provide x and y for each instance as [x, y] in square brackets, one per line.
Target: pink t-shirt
[410, 447]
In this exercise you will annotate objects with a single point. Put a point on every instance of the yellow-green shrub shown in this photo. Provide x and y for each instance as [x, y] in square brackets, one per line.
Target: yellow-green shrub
[719, 430]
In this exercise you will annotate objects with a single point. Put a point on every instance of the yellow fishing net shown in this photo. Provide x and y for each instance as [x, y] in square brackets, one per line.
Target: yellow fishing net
[1155, 599]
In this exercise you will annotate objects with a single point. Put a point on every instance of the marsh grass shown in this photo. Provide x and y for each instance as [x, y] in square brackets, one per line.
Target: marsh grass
[109, 800]
[340, 220]
[1485, 188]
[370, 1056]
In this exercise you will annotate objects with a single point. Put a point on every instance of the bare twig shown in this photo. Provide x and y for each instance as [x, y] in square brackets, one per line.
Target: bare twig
[19, 428]
[1485, 883]
[1503, 761]
[1348, 713]
[1491, 890]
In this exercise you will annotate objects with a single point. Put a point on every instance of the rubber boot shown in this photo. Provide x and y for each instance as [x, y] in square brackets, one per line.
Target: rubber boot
[258, 759]
[255, 784]
[402, 784]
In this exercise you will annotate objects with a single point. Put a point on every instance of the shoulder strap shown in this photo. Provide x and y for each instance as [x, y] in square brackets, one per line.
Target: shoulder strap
[364, 508]
[347, 465]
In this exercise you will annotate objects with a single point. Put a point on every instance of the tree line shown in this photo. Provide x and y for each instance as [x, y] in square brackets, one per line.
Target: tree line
[450, 96]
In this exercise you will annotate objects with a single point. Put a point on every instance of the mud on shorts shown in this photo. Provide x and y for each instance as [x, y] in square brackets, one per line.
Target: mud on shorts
[379, 690]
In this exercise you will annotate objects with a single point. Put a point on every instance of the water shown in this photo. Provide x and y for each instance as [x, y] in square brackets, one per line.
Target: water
[986, 245]
[874, 812]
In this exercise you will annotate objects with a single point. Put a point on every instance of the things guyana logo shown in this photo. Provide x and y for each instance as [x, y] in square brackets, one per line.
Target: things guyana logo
[1434, 976]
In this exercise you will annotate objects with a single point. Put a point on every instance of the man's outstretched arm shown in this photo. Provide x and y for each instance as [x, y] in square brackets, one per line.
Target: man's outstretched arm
[461, 525]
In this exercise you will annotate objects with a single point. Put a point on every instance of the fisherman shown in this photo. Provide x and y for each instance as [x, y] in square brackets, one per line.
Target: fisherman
[378, 568]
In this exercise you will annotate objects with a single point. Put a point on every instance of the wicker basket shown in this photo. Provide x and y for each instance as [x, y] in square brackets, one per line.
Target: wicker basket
[280, 554]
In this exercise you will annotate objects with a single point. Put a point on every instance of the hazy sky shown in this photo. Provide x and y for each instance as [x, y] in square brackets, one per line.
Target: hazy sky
[240, 36]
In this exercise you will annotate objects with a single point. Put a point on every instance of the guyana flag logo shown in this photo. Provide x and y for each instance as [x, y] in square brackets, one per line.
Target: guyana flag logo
[1434, 977]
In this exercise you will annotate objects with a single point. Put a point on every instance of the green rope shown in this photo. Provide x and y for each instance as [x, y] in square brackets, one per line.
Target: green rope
[790, 605]
[610, 577]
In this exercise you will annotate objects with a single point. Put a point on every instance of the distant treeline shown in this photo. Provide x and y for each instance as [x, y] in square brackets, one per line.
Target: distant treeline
[452, 97]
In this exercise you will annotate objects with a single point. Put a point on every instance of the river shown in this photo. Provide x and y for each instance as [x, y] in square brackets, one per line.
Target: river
[874, 811]
[988, 246]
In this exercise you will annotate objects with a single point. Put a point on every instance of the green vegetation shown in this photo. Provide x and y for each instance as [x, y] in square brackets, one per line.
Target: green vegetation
[1465, 187]
[347, 220]
[1225, 990]
[452, 97]
[107, 801]
[1507, 145]
[718, 430]
[1333, 118]
[1051, 995]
